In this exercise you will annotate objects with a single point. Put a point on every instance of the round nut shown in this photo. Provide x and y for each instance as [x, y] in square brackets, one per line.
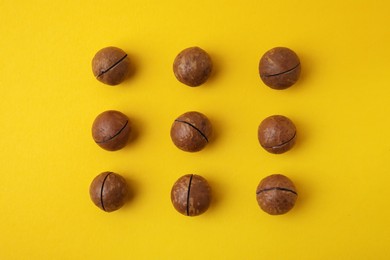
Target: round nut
[276, 194]
[191, 195]
[111, 130]
[108, 191]
[192, 66]
[111, 65]
[277, 134]
[279, 68]
[191, 131]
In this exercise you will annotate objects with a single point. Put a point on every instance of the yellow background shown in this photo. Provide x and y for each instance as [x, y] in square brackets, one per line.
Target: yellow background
[49, 99]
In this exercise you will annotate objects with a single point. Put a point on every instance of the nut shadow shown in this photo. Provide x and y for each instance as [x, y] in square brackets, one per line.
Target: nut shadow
[136, 128]
[217, 67]
[216, 135]
[133, 189]
[134, 66]
[308, 68]
[216, 193]
[302, 134]
[304, 190]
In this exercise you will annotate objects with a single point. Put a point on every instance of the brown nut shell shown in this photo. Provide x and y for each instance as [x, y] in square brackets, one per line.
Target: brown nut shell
[192, 66]
[191, 195]
[276, 194]
[279, 68]
[111, 130]
[108, 191]
[191, 131]
[277, 134]
[111, 65]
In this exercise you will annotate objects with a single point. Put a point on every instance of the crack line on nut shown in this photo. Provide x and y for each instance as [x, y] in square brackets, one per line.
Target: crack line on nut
[109, 139]
[280, 145]
[188, 196]
[101, 191]
[277, 188]
[112, 66]
[207, 140]
[280, 73]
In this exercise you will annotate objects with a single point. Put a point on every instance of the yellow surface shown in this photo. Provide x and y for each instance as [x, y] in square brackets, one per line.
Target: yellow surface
[340, 105]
